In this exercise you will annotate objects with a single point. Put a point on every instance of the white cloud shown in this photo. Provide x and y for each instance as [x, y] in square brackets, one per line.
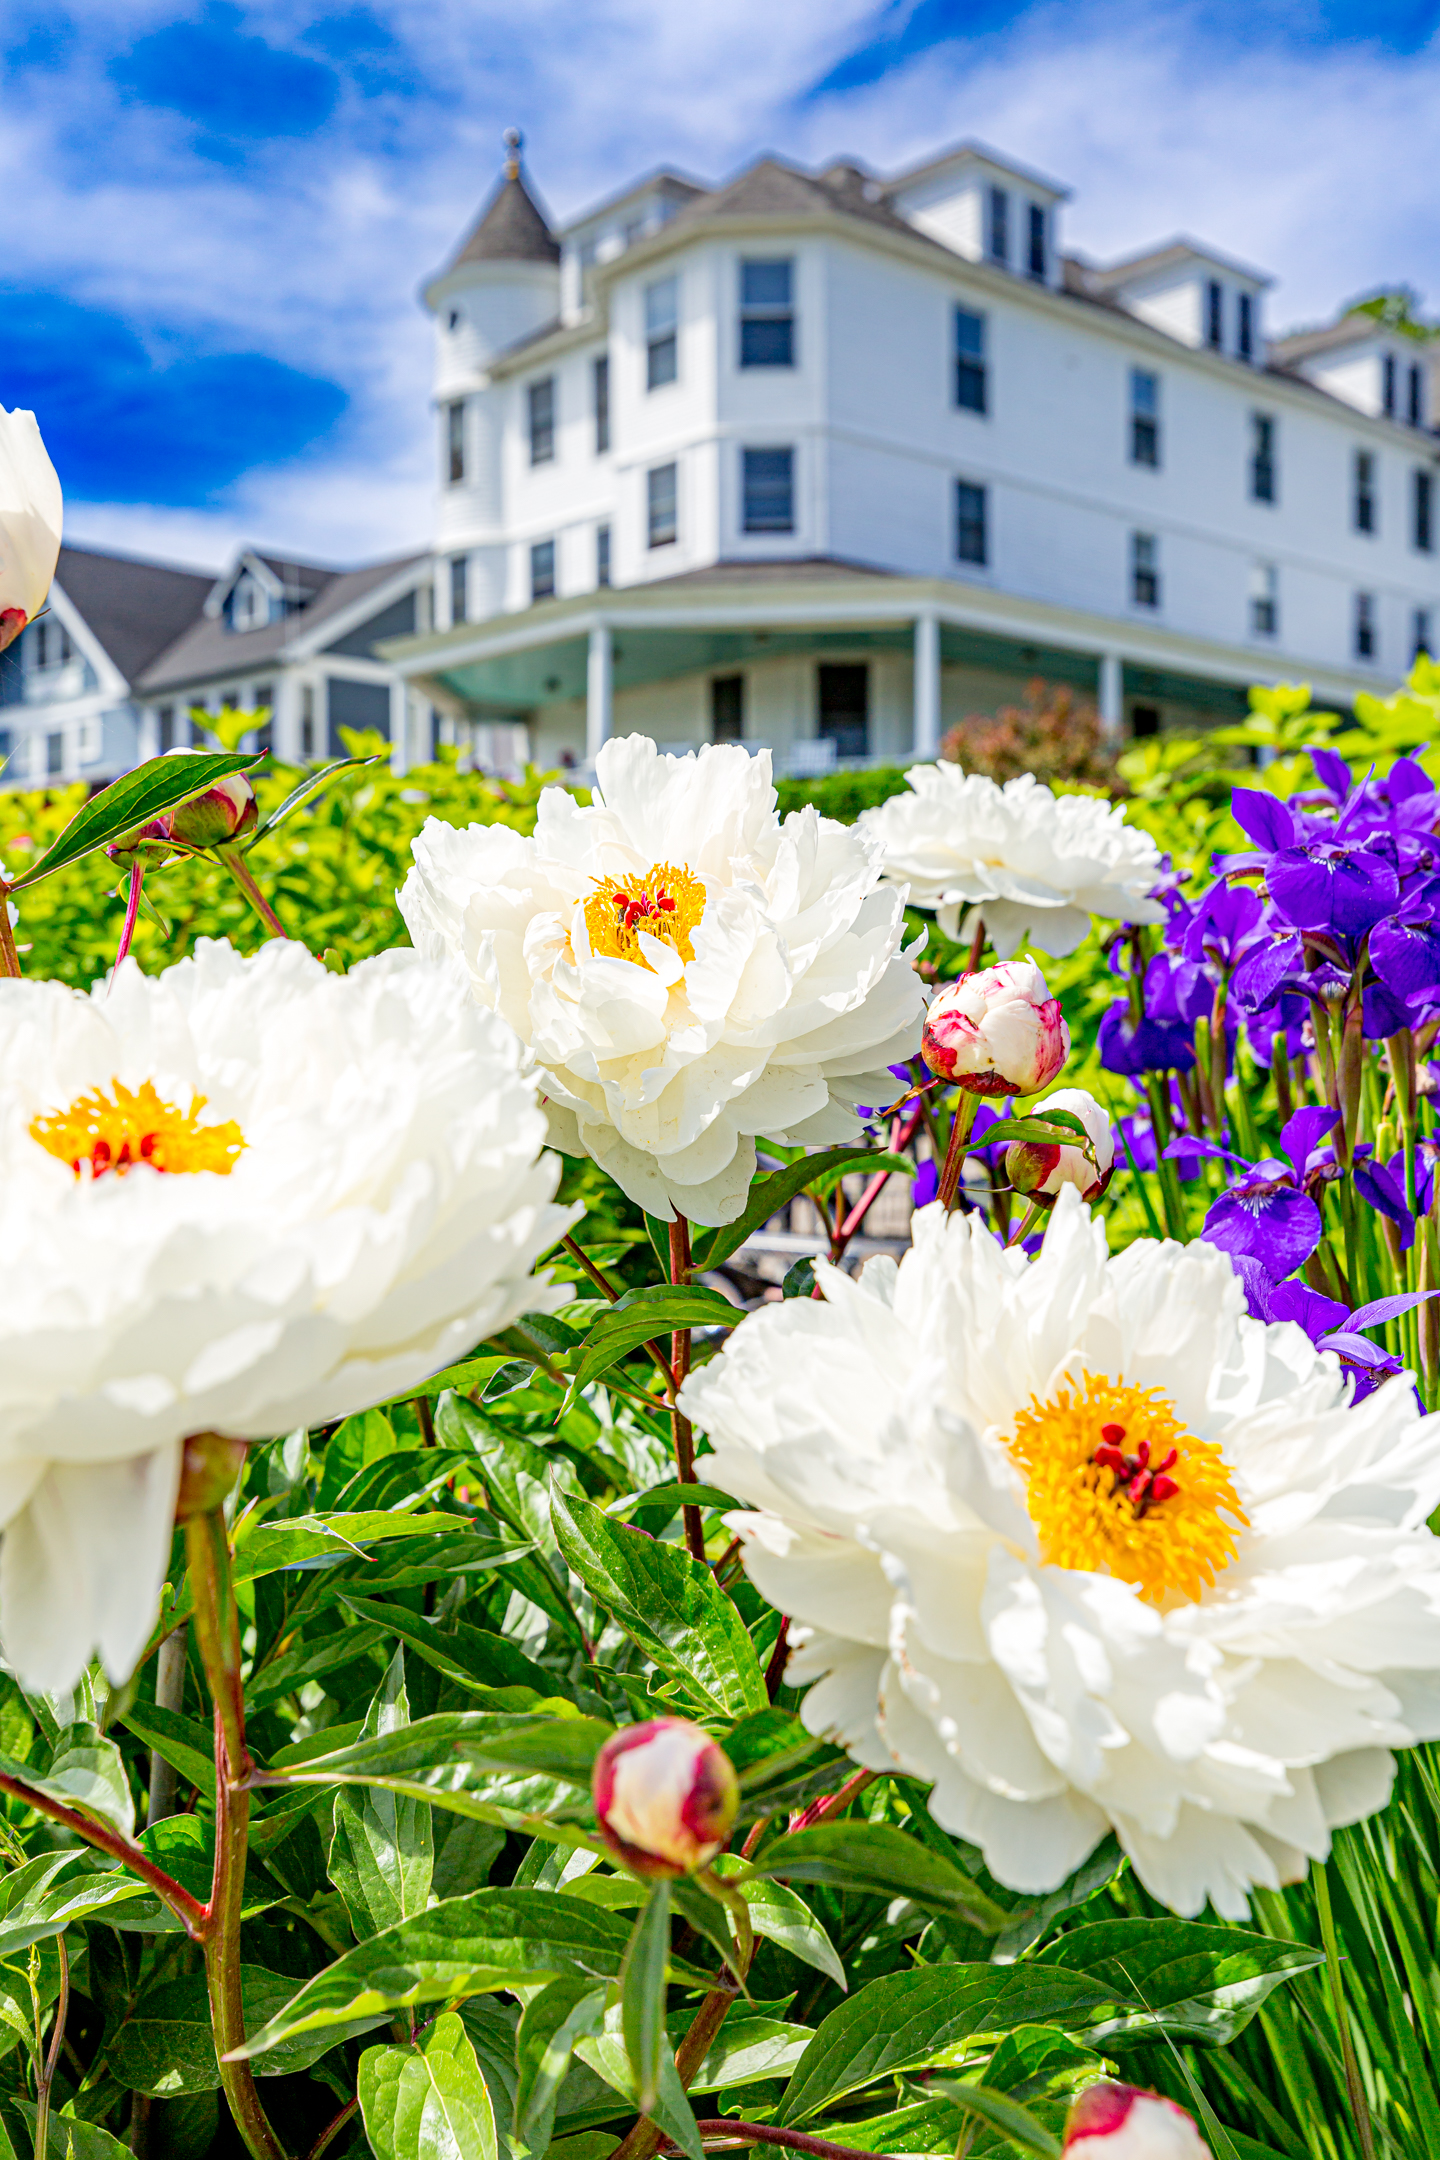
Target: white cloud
[1313, 163]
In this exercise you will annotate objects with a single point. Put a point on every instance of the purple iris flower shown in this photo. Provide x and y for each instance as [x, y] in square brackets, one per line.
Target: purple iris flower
[927, 1184]
[1331, 887]
[1383, 1185]
[1269, 1215]
[1331, 1325]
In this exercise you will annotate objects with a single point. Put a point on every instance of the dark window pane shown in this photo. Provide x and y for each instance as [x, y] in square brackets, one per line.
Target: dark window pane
[1144, 720]
[1214, 315]
[1364, 626]
[542, 570]
[970, 523]
[361, 705]
[1245, 332]
[459, 588]
[1036, 262]
[999, 225]
[541, 396]
[1416, 400]
[455, 441]
[727, 708]
[165, 719]
[602, 405]
[661, 492]
[769, 491]
[662, 361]
[767, 341]
[1424, 507]
[844, 697]
[602, 555]
[1389, 386]
[764, 285]
[970, 385]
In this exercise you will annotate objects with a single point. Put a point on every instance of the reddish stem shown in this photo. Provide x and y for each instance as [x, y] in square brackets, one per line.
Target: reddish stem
[722, 2128]
[775, 1670]
[185, 1908]
[9, 958]
[132, 910]
[872, 1192]
[821, 1810]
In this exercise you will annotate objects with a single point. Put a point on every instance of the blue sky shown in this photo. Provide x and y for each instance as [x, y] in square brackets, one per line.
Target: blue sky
[210, 294]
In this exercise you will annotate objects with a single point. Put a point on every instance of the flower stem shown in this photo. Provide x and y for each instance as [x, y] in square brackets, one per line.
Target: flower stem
[217, 1634]
[1359, 2107]
[132, 909]
[683, 1435]
[977, 947]
[46, 2076]
[188, 1910]
[238, 868]
[9, 958]
[960, 1128]
[721, 2131]
[607, 1289]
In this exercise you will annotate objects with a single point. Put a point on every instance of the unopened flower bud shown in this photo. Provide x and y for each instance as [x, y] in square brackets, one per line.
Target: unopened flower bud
[30, 520]
[665, 1797]
[1118, 2122]
[998, 1032]
[208, 1470]
[1039, 1168]
[224, 812]
[149, 844]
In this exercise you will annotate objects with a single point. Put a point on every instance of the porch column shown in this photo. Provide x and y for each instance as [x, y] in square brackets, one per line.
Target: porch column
[926, 736]
[1112, 693]
[599, 690]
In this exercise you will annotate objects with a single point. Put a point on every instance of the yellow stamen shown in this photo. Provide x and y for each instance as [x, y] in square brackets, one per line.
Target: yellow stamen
[101, 1132]
[1117, 1486]
[666, 903]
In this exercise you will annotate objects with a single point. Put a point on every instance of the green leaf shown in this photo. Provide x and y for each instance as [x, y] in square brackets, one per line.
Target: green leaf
[672, 1496]
[356, 1443]
[45, 1895]
[550, 2025]
[427, 2102]
[184, 1845]
[88, 1773]
[769, 1194]
[609, 2057]
[311, 785]
[167, 2045]
[287, 1675]
[1047, 1128]
[153, 788]
[382, 1851]
[1183, 1977]
[69, 2138]
[885, 1861]
[467, 1946]
[642, 1994]
[776, 1760]
[556, 1747]
[667, 1602]
[906, 2020]
[472, 1657]
[782, 1916]
[186, 1744]
[1002, 2113]
[650, 1314]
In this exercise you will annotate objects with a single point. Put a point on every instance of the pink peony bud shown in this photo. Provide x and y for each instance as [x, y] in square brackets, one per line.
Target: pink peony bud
[997, 1033]
[149, 844]
[1117, 2122]
[665, 1797]
[224, 812]
[1039, 1169]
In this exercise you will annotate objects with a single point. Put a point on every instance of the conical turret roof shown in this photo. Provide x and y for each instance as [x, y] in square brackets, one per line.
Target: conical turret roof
[512, 227]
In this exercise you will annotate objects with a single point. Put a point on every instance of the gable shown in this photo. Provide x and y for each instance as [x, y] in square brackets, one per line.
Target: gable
[397, 620]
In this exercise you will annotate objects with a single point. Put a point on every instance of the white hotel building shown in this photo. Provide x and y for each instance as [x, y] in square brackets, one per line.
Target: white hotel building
[827, 460]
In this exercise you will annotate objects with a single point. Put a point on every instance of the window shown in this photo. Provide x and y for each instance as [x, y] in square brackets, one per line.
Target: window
[52, 647]
[600, 398]
[1364, 505]
[1422, 510]
[970, 523]
[1262, 457]
[459, 588]
[1144, 720]
[1388, 386]
[767, 314]
[1036, 250]
[661, 492]
[768, 478]
[455, 441]
[662, 350]
[307, 720]
[542, 570]
[1245, 326]
[54, 754]
[969, 360]
[1364, 626]
[1214, 315]
[1420, 633]
[844, 700]
[165, 729]
[1264, 600]
[999, 225]
[602, 555]
[540, 399]
[89, 741]
[1144, 417]
[727, 708]
[452, 320]
[1145, 570]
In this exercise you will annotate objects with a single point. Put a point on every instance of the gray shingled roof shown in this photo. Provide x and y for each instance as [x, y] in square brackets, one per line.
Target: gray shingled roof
[770, 188]
[134, 608]
[208, 649]
[1300, 344]
[511, 228]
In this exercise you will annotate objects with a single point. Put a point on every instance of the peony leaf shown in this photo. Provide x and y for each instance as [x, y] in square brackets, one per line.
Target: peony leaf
[769, 1194]
[183, 1742]
[471, 1657]
[641, 1316]
[428, 2101]
[465, 1946]
[782, 1916]
[906, 2020]
[1182, 1977]
[67, 2137]
[166, 2045]
[159, 785]
[642, 1993]
[550, 2024]
[300, 794]
[382, 1851]
[885, 1861]
[1015, 2122]
[666, 1602]
[1047, 1128]
[88, 1773]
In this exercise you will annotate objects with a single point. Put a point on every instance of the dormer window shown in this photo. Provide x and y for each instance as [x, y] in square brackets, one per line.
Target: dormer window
[999, 226]
[1415, 409]
[1214, 315]
[1245, 326]
[249, 607]
[1388, 386]
[1036, 250]
[452, 320]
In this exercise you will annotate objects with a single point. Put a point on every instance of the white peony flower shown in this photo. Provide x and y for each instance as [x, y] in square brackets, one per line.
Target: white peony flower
[31, 511]
[298, 1194]
[1036, 865]
[687, 971]
[1083, 1546]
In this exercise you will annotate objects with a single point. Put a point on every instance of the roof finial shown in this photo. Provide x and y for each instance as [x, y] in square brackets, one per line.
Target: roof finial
[514, 144]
